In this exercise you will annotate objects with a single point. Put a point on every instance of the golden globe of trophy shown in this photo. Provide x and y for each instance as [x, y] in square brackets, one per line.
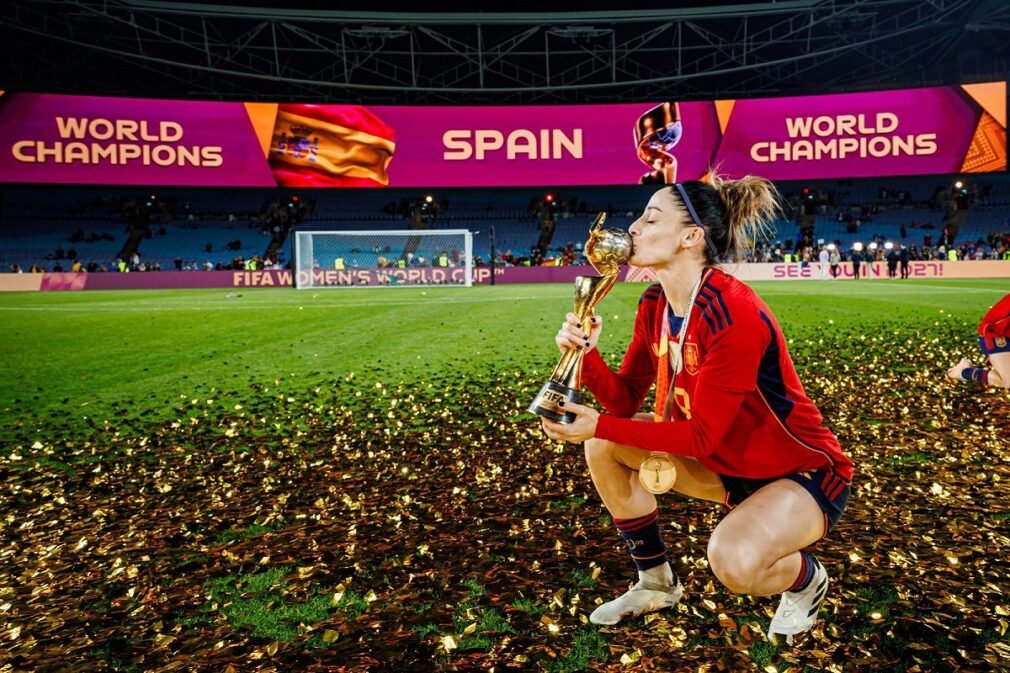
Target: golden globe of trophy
[606, 250]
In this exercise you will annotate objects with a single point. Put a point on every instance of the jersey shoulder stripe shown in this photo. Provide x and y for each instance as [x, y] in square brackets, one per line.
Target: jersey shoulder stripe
[712, 316]
[706, 315]
[714, 296]
[652, 293]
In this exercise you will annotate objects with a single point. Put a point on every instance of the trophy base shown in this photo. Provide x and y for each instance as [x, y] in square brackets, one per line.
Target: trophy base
[546, 402]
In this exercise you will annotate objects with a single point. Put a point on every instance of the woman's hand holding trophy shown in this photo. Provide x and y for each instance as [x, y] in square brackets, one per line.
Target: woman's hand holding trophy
[606, 250]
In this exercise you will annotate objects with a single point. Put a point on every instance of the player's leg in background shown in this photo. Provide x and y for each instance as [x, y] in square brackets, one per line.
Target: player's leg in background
[999, 375]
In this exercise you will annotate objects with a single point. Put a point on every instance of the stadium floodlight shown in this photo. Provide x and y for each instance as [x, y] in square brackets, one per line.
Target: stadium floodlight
[415, 258]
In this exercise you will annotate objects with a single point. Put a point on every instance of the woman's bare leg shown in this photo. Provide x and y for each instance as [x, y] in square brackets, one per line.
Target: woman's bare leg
[755, 548]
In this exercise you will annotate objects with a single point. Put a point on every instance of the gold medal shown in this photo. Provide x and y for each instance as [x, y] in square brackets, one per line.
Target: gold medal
[657, 473]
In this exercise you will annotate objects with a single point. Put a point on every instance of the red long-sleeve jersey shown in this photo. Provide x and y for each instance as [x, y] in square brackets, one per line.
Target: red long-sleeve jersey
[740, 407]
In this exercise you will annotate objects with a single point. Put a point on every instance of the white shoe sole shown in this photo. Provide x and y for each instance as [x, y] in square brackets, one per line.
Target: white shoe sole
[644, 602]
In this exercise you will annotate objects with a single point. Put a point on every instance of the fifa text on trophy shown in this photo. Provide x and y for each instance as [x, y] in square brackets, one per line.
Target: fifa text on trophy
[606, 250]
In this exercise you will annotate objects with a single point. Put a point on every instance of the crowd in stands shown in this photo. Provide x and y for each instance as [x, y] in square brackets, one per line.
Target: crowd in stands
[118, 265]
[955, 220]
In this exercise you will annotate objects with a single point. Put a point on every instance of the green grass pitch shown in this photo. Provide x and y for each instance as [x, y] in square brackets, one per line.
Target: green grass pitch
[145, 348]
[347, 480]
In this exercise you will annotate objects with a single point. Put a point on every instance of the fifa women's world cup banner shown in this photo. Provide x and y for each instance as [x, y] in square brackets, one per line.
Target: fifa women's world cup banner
[124, 141]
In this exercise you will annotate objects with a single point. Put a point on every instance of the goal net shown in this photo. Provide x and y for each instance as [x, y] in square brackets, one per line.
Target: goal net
[410, 258]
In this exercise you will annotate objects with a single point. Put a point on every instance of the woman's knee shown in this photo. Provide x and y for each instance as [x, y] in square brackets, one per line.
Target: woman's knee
[598, 451]
[738, 566]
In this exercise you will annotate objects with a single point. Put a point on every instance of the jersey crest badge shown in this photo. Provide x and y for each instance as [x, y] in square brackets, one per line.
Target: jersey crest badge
[692, 359]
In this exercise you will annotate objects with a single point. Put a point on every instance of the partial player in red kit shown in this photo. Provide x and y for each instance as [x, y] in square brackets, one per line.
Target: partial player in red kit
[994, 340]
[731, 421]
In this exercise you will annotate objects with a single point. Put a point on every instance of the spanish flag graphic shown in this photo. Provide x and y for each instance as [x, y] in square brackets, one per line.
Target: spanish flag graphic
[330, 146]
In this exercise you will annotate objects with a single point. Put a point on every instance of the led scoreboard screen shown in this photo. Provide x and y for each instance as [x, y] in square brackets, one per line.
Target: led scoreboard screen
[127, 141]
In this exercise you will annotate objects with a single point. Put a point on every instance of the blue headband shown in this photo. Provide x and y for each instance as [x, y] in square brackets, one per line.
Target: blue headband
[695, 218]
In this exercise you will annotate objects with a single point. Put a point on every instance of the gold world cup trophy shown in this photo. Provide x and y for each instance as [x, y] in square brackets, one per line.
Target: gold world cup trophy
[606, 250]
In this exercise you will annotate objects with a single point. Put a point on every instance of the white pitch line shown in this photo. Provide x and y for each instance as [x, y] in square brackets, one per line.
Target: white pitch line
[891, 286]
[1000, 290]
[238, 305]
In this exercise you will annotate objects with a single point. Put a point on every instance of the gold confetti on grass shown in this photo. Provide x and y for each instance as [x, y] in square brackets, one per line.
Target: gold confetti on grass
[431, 526]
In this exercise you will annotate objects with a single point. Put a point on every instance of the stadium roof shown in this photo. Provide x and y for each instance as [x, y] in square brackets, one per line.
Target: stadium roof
[504, 53]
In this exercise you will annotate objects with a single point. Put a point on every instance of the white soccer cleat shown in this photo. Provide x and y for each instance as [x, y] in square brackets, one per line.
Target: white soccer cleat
[639, 600]
[797, 610]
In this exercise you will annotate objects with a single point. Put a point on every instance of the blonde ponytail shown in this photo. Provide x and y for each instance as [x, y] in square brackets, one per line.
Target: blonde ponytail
[752, 205]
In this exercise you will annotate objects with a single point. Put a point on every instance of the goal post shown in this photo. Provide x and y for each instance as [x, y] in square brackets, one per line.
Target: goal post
[404, 258]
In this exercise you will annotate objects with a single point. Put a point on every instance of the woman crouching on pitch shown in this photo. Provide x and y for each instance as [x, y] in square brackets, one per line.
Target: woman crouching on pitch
[731, 415]
[994, 340]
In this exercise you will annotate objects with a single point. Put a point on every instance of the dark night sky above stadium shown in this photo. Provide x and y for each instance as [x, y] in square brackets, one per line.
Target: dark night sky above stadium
[462, 6]
[132, 47]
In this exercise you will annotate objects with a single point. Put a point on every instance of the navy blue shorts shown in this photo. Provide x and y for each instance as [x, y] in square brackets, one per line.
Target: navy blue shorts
[994, 345]
[829, 490]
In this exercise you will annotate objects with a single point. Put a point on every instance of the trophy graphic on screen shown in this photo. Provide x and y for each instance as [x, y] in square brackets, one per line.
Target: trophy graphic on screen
[606, 250]
[657, 132]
